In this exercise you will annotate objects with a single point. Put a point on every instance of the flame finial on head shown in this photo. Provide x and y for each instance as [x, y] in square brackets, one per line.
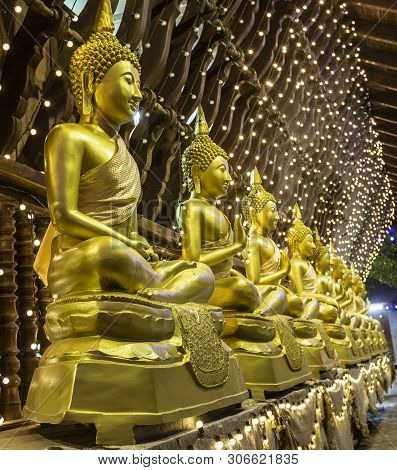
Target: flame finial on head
[201, 127]
[255, 177]
[296, 213]
[104, 21]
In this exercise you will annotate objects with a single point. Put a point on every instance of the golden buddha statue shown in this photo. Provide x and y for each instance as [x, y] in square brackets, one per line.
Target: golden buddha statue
[125, 324]
[372, 332]
[340, 335]
[318, 307]
[266, 266]
[358, 323]
[337, 270]
[207, 235]
[265, 347]
[342, 279]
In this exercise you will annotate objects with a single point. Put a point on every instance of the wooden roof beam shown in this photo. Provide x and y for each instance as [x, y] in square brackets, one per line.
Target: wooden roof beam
[389, 140]
[380, 32]
[386, 128]
[382, 114]
[390, 160]
[384, 99]
[385, 6]
[380, 58]
[381, 81]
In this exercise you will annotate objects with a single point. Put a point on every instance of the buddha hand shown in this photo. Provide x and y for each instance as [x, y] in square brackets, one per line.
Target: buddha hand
[240, 237]
[285, 263]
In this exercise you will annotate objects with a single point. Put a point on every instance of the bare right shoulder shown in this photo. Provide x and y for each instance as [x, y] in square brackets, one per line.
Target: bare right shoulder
[65, 131]
[66, 141]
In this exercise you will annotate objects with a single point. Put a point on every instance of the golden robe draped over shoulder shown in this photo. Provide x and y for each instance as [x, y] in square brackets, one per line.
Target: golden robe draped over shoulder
[108, 193]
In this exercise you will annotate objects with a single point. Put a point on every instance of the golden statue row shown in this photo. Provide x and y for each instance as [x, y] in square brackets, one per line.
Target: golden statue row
[136, 340]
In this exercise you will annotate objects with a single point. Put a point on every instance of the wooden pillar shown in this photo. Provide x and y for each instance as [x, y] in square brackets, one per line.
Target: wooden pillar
[43, 295]
[26, 299]
[10, 404]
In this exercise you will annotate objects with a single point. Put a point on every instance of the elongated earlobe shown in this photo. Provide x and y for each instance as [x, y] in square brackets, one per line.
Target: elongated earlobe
[87, 90]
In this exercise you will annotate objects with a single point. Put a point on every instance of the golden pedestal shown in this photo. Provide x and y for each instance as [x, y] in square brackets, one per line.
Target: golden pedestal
[363, 342]
[383, 345]
[344, 343]
[117, 384]
[269, 356]
[316, 344]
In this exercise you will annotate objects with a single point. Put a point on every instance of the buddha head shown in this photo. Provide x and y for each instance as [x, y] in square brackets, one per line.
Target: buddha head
[104, 74]
[205, 165]
[300, 237]
[337, 265]
[259, 207]
[362, 289]
[321, 254]
[347, 278]
[358, 285]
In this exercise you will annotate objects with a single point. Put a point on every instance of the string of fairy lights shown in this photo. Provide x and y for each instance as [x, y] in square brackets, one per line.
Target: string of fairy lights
[331, 162]
[274, 416]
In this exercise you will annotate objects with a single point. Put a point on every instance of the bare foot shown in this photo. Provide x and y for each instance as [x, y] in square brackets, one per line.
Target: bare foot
[157, 295]
[171, 268]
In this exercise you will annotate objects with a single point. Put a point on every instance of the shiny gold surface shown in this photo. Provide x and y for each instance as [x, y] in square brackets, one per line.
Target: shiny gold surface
[124, 324]
[207, 236]
[266, 266]
[318, 307]
[341, 335]
[303, 276]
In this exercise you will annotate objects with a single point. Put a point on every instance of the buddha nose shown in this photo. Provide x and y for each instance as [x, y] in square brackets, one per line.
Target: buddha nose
[137, 94]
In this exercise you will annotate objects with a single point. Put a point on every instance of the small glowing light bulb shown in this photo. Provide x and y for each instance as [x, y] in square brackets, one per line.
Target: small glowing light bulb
[219, 445]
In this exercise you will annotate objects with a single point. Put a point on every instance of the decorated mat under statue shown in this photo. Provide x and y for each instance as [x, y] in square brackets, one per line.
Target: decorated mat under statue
[133, 342]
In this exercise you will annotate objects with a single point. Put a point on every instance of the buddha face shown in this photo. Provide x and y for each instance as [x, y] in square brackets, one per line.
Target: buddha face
[362, 289]
[215, 179]
[324, 263]
[337, 267]
[268, 217]
[347, 278]
[356, 285]
[118, 95]
[306, 247]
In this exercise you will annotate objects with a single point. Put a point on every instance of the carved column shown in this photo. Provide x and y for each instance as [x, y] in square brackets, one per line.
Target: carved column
[26, 305]
[10, 404]
[43, 294]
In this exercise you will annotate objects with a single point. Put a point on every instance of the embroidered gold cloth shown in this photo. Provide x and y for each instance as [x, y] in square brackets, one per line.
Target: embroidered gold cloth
[329, 347]
[209, 359]
[288, 341]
